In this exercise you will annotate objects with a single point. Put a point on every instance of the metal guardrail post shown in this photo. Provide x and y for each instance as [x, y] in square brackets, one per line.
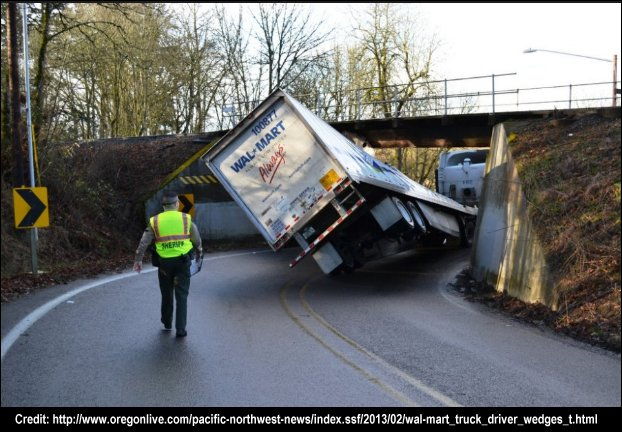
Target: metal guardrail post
[493, 93]
[570, 96]
[445, 97]
[394, 103]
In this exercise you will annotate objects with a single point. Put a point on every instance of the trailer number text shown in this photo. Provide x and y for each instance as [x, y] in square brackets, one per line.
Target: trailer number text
[264, 122]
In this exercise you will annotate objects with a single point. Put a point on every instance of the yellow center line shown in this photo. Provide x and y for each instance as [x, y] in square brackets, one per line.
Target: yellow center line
[447, 401]
[370, 377]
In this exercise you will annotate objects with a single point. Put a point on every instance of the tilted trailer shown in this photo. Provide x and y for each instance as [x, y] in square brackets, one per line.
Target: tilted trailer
[300, 180]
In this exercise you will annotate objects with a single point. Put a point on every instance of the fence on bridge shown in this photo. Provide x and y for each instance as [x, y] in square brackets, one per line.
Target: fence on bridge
[480, 94]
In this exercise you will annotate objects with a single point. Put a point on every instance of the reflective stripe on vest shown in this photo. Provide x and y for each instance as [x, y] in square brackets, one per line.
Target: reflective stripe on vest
[172, 233]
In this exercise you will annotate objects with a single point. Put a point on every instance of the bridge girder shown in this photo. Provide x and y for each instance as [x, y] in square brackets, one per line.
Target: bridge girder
[466, 130]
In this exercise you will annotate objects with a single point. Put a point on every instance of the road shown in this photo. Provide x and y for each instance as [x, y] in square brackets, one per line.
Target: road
[262, 335]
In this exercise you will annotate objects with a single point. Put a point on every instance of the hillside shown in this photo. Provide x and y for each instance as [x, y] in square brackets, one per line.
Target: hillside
[571, 173]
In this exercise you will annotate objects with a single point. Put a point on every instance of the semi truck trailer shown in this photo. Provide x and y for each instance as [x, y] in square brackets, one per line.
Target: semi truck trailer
[303, 183]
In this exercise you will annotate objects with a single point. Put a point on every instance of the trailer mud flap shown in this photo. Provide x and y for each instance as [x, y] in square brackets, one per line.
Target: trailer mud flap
[327, 257]
[440, 220]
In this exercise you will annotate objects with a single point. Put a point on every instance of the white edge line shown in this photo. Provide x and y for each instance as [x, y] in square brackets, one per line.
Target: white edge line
[21, 327]
[38, 313]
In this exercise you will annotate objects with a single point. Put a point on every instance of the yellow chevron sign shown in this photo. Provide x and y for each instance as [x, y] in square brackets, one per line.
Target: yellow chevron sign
[197, 180]
[186, 204]
[31, 207]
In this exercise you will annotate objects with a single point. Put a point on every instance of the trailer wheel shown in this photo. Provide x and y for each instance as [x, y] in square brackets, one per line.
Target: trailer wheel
[467, 231]
[349, 257]
[406, 214]
[420, 223]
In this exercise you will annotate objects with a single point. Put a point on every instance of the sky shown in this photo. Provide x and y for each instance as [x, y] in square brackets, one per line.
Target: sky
[484, 39]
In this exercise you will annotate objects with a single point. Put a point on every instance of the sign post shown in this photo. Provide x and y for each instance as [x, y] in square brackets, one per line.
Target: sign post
[33, 233]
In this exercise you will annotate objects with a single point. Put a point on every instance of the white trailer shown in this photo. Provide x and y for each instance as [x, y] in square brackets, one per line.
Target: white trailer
[299, 180]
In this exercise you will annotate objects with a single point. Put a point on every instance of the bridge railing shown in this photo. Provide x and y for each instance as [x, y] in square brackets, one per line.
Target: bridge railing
[480, 94]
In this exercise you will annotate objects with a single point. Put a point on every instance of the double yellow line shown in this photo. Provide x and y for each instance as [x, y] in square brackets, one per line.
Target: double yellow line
[396, 394]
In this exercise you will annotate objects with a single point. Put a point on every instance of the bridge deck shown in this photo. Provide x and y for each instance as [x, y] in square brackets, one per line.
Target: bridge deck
[464, 130]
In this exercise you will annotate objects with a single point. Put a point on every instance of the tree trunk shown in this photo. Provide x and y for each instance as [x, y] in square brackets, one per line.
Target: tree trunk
[18, 173]
[39, 83]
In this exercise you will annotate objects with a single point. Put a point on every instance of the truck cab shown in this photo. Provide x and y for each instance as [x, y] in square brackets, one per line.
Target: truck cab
[460, 174]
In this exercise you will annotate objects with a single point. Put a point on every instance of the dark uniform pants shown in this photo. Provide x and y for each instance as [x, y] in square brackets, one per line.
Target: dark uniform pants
[174, 278]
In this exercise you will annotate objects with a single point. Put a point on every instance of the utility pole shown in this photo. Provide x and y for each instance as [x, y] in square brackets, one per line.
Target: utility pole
[34, 235]
[18, 168]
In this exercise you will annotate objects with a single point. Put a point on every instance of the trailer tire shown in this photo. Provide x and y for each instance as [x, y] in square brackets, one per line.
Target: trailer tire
[407, 221]
[420, 223]
[467, 231]
[349, 257]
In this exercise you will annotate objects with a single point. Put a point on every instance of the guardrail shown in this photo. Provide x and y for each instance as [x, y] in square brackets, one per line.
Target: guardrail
[480, 94]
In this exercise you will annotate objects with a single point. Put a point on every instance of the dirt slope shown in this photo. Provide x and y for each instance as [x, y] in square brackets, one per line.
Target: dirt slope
[570, 171]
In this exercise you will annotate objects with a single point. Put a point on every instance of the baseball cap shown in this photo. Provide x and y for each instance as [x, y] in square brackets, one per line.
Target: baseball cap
[169, 198]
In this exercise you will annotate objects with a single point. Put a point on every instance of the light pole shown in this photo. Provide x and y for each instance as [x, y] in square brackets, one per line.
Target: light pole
[614, 93]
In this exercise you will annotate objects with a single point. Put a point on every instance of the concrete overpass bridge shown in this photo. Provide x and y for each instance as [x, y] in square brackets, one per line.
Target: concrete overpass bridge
[443, 131]
[459, 130]
[446, 113]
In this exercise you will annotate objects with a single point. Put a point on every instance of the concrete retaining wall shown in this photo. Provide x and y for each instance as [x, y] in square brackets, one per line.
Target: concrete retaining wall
[215, 213]
[216, 221]
[506, 252]
[223, 221]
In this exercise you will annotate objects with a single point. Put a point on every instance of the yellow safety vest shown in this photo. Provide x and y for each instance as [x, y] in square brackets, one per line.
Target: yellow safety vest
[172, 233]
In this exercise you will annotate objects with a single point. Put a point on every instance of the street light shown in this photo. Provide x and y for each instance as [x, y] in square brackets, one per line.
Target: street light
[614, 61]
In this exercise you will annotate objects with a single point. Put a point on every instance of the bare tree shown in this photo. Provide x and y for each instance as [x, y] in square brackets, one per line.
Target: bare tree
[289, 42]
[396, 48]
[344, 82]
[49, 23]
[197, 67]
[417, 163]
[109, 72]
[240, 87]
